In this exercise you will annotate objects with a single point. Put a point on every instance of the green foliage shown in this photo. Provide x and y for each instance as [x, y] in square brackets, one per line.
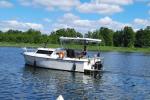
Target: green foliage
[139, 38]
[146, 37]
[118, 38]
[105, 34]
[30, 36]
[34, 36]
[54, 37]
[129, 37]
[122, 38]
[143, 38]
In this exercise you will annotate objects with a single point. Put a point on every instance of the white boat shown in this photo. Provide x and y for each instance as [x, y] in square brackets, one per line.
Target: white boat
[64, 59]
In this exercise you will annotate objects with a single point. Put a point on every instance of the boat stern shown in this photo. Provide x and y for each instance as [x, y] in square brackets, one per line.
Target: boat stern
[93, 64]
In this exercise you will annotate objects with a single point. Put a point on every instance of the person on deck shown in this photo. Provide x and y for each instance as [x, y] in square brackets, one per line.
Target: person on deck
[84, 52]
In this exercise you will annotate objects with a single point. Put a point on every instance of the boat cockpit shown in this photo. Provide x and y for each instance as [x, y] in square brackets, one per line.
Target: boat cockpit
[61, 53]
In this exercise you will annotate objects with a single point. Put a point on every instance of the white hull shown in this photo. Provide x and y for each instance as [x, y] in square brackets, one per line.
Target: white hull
[59, 64]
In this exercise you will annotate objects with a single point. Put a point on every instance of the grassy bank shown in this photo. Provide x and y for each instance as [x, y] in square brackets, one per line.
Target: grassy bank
[102, 48]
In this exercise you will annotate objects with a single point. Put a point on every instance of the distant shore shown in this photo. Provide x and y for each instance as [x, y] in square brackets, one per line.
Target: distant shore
[93, 48]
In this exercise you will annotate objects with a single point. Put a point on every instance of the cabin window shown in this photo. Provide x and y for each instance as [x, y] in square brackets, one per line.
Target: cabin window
[44, 52]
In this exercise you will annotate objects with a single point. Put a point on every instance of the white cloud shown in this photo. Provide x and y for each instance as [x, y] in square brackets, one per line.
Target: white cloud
[47, 20]
[105, 21]
[16, 25]
[139, 21]
[70, 16]
[71, 21]
[109, 23]
[84, 25]
[5, 4]
[51, 4]
[25, 2]
[101, 8]
[104, 7]
[118, 2]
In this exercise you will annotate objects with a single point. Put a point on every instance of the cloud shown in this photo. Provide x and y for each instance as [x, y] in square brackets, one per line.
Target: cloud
[104, 7]
[112, 24]
[65, 5]
[101, 8]
[47, 20]
[16, 25]
[5, 4]
[85, 25]
[25, 2]
[71, 21]
[117, 2]
[139, 21]
[82, 23]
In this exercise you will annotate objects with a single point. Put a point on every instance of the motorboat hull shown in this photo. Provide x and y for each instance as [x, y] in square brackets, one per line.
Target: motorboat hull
[59, 64]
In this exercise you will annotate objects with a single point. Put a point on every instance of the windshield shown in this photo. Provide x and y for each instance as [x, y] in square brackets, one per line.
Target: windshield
[44, 52]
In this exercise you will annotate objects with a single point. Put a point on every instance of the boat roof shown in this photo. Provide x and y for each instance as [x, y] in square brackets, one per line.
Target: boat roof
[82, 39]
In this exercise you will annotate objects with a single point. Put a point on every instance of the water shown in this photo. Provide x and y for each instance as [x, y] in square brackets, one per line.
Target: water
[126, 76]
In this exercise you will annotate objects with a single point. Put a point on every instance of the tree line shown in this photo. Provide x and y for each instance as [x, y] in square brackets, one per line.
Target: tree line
[120, 38]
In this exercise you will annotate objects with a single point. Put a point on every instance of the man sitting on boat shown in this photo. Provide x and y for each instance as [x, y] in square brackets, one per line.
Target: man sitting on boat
[83, 53]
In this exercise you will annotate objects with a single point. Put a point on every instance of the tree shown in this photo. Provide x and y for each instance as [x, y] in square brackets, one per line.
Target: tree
[125, 37]
[96, 35]
[139, 38]
[69, 32]
[118, 38]
[129, 37]
[1, 36]
[107, 35]
[146, 37]
[34, 35]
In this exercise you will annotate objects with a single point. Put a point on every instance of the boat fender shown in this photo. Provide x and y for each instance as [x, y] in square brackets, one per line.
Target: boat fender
[100, 66]
[74, 67]
[34, 63]
[89, 61]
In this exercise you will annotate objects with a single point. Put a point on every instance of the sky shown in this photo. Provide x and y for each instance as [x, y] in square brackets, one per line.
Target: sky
[82, 15]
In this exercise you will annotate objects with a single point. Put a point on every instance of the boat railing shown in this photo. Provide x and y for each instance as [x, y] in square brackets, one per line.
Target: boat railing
[100, 58]
[28, 49]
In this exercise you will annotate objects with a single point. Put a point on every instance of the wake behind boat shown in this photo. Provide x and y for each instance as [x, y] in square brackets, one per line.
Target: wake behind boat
[65, 58]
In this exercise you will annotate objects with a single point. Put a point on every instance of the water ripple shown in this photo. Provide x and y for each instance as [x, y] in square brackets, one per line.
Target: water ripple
[126, 76]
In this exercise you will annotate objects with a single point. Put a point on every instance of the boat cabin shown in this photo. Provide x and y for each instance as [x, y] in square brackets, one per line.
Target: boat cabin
[60, 53]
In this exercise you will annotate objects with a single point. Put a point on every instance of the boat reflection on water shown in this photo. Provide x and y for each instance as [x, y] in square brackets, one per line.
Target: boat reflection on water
[52, 83]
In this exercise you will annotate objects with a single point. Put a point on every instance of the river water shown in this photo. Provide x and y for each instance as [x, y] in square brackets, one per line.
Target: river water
[125, 76]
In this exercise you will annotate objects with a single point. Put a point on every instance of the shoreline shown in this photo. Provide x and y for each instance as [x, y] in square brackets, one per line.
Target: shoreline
[91, 48]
